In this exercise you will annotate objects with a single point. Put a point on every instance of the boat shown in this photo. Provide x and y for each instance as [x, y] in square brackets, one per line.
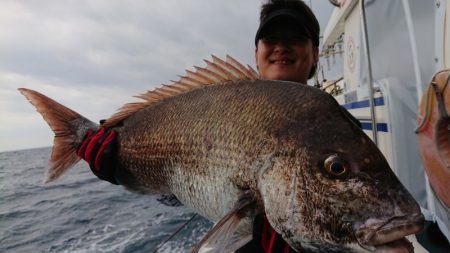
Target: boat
[379, 60]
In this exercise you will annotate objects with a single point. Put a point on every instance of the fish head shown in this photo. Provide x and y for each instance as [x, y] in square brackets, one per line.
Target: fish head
[330, 189]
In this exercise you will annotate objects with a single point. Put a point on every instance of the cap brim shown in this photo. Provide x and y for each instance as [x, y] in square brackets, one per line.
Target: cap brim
[287, 14]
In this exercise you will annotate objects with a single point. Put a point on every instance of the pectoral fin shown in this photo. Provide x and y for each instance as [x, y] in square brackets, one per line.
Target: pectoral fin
[227, 235]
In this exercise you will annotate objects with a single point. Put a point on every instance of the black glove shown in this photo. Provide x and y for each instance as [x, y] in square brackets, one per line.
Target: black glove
[99, 150]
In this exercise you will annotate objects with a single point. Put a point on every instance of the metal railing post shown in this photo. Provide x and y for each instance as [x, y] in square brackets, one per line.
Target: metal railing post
[369, 72]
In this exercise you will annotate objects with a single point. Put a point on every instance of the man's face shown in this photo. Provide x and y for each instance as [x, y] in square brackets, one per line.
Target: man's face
[284, 53]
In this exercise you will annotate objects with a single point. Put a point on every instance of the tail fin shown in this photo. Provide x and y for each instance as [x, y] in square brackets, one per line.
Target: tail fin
[69, 128]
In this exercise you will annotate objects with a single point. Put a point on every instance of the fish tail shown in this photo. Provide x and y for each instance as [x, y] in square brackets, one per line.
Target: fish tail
[69, 127]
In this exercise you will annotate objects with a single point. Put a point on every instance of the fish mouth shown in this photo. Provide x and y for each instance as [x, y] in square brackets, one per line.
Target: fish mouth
[380, 235]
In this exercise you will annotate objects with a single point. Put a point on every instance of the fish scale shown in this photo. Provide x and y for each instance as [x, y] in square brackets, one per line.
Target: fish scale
[196, 154]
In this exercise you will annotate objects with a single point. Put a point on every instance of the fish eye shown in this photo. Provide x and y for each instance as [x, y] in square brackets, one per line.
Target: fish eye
[335, 167]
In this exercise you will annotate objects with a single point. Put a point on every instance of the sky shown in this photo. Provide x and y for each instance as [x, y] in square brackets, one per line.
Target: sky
[93, 56]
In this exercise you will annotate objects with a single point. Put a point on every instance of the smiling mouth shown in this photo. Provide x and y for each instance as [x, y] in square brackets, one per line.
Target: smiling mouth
[282, 61]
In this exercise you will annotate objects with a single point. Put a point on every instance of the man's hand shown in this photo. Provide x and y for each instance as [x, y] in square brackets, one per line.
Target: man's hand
[98, 150]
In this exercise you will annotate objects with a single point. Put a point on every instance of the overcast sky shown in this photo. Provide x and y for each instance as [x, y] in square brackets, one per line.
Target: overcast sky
[93, 56]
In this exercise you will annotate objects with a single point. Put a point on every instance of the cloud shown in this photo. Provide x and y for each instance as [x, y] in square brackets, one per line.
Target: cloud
[146, 41]
[94, 55]
[22, 127]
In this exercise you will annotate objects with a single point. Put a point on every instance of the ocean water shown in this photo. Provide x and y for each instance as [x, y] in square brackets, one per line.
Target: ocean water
[80, 213]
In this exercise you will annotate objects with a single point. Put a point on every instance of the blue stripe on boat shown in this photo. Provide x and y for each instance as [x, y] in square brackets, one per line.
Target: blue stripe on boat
[381, 127]
[363, 103]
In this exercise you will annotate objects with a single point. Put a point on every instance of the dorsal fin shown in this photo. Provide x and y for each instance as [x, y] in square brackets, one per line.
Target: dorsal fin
[216, 72]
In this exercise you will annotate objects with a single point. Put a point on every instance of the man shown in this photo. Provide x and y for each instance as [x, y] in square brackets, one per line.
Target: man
[287, 41]
[287, 44]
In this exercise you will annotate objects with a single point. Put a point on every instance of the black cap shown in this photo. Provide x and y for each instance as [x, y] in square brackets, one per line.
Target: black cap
[304, 25]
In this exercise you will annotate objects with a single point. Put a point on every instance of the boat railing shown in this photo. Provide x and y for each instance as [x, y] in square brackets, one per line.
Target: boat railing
[334, 88]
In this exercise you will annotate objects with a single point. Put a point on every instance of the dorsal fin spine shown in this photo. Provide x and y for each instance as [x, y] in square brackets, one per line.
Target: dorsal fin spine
[179, 88]
[215, 78]
[236, 74]
[252, 71]
[188, 85]
[219, 70]
[172, 87]
[186, 79]
[251, 74]
[199, 76]
[162, 93]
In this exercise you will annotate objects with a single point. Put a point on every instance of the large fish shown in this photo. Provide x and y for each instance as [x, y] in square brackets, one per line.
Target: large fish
[230, 147]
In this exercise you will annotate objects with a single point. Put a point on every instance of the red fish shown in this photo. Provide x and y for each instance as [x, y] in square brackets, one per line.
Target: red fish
[231, 146]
